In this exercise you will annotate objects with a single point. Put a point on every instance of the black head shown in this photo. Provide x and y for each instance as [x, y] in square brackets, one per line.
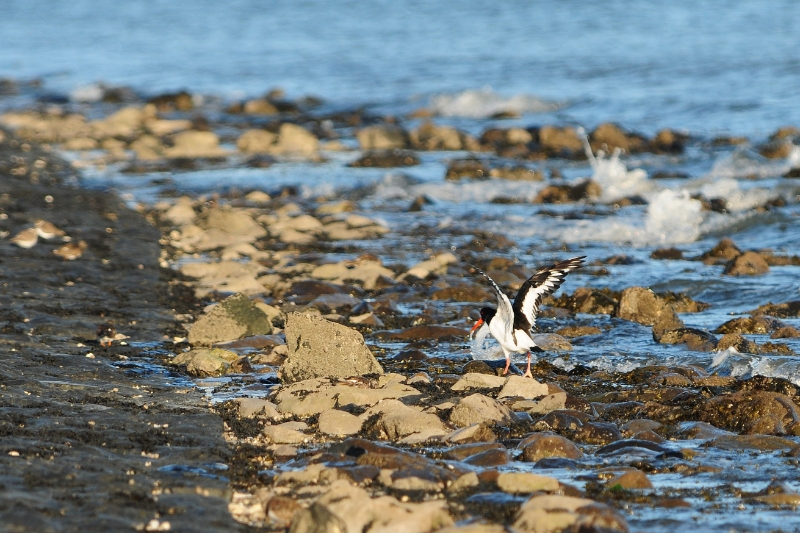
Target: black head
[487, 314]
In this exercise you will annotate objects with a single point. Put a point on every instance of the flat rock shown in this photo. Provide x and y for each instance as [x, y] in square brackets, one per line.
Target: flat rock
[479, 381]
[339, 423]
[320, 348]
[520, 387]
[258, 407]
[525, 483]
[477, 408]
[285, 433]
[233, 318]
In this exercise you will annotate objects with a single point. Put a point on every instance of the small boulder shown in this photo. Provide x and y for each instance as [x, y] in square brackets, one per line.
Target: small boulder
[543, 445]
[233, 318]
[320, 348]
[204, 362]
[382, 137]
[477, 408]
[747, 264]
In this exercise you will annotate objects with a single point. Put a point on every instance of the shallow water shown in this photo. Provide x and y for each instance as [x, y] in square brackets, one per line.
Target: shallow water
[717, 66]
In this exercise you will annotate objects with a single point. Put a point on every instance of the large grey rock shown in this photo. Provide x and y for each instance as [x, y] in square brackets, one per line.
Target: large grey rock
[321, 348]
[233, 318]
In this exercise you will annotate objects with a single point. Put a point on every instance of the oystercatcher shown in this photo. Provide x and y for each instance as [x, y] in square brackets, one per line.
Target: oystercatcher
[510, 324]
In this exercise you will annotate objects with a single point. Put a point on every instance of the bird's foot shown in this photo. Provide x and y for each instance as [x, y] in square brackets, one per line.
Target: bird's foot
[528, 374]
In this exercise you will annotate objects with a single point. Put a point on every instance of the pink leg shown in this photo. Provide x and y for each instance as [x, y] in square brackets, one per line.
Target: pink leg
[508, 363]
[528, 368]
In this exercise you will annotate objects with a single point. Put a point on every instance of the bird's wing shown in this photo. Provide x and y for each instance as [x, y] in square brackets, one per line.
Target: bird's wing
[505, 313]
[544, 282]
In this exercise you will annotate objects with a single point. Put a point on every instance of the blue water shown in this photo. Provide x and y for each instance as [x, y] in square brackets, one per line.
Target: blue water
[715, 66]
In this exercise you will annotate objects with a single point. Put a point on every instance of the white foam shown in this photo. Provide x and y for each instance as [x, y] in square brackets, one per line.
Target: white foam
[486, 103]
[743, 163]
[613, 176]
[88, 93]
[482, 191]
[736, 199]
[673, 218]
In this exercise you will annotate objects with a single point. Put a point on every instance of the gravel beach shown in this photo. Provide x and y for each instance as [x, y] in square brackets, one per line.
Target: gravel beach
[90, 440]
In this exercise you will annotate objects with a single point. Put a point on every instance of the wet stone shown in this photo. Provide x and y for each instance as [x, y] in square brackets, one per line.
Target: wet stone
[459, 453]
[478, 367]
[597, 433]
[741, 344]
[631, 480]
[747, 264]
[473, 433]
[543, 445]
[695, 339]
[490, 457]
[635, 447]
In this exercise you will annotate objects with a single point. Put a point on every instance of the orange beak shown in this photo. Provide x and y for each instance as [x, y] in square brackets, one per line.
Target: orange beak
[478, 324]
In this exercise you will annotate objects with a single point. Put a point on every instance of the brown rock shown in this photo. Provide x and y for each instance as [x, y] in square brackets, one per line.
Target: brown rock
[382, 137]
[743, 412]
[430, 136]
[566, 193]
[608, 136]
[467, 168]
[753, 324]
[560, 141]
[785, 332]
[490, 457]
[632, 479]
[784, 310]
[542, 445]
[597, 433]
[724, 251]
[385, 159]
[459, 453]
[735, 340]
[639, 305]
[695, 339]
[747, 264]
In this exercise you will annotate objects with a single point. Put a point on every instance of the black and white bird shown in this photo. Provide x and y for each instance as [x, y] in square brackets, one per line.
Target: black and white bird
[511, 324]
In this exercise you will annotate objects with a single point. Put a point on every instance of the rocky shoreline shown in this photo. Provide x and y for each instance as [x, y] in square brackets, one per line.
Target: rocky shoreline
[396, 439]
